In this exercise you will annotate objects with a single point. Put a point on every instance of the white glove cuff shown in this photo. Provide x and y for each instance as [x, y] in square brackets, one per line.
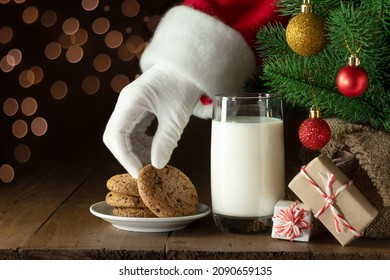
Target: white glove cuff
[212, 55]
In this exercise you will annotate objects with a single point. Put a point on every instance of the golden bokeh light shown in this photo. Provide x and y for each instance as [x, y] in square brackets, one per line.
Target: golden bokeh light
[14, 57]
[10, 106]
[152, 22]
[22, 153]
[100, 25]
[74, 54]
[49, 18]
[130, 8]
[38, 74]
[65, 41]
[124, 54]
[7, 173]
[139, 54]
[53, 50]
[102, 62]
[29, 106]
[39, 126]
[58, 90]
[135, 44]
[70, 26]
[6, 34]
[89, 5]
[26, 78]
[10, 60]
[19, 128]
[113, 39]
[30, 15]
[80, 37]
[119, 82]
[90, 85]
[4, 65]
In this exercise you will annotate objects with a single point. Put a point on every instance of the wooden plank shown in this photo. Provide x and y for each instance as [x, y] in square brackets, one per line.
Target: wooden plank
[53, 222]
[325, 246]
[72, 232]
[202, 240]
[10, 196]
[27, 204]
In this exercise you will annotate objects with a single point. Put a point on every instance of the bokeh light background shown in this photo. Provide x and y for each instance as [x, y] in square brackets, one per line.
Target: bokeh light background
[62, 66]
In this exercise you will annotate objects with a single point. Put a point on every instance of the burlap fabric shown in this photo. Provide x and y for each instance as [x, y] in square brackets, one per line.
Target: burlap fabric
[363, 155]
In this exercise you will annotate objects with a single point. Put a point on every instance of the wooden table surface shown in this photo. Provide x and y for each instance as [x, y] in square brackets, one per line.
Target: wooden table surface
[45, 215]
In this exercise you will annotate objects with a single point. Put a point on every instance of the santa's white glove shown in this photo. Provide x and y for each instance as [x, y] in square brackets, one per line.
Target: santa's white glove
[160, 92]
[191, 54]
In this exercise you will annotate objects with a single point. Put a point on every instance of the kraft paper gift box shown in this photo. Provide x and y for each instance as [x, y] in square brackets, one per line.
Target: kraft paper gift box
[333, 199]
[292, 221]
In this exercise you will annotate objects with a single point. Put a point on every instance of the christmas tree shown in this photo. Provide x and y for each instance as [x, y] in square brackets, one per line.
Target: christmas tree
[354, 27]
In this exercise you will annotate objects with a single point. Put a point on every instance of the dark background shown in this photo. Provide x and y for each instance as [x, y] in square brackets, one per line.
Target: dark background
[76, 122]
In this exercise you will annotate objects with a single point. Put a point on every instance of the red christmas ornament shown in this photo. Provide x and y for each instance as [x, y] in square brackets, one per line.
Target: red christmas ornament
[352, 80]
[314, 133]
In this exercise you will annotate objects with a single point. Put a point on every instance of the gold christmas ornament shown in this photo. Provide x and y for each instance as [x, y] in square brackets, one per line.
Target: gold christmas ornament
[306, 33]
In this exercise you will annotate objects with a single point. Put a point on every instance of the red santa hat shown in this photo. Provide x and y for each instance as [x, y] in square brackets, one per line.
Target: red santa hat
[245, 16]
[211, 43]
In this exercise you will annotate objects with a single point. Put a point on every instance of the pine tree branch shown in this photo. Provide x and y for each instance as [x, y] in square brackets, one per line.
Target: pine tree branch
[307, 80]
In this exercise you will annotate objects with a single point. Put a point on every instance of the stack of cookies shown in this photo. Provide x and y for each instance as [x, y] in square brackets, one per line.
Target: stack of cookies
[124, 197]
[163, 193]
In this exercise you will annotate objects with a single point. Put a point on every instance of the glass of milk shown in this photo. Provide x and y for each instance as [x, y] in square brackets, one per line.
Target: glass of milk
[247, 161]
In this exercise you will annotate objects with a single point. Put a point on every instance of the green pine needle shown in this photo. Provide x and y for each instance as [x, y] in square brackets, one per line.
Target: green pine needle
[305, 81]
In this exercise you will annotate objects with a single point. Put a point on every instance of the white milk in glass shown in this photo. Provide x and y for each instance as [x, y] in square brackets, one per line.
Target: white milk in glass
[247, 166]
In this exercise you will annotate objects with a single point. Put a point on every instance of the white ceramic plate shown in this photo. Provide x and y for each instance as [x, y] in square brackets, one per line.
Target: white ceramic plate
[104, 211]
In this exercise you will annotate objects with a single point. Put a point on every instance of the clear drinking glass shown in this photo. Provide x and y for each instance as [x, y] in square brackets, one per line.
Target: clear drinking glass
[247, 161]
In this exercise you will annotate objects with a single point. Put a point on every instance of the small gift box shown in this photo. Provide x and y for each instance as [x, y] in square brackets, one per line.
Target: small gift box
[333, 199]
[292, 221]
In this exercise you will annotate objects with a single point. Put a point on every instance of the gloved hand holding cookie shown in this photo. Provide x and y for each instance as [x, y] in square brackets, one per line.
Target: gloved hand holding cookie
[199, 49]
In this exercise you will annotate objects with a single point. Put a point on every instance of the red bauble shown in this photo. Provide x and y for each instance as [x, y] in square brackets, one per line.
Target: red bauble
[314, 133]
[352, 81]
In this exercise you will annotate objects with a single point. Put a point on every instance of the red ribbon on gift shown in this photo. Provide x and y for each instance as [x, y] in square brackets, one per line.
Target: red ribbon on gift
[341, 224]
[290, 222]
